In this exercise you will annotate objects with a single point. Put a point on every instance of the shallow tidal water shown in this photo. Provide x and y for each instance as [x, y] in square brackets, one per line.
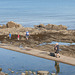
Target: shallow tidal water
[18, 62]
[60, 43]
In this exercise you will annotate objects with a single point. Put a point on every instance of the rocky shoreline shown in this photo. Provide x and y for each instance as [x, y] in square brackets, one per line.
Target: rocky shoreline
[38, 35]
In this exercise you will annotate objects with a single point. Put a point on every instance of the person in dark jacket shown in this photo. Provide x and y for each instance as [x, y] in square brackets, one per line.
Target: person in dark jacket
[56, 48]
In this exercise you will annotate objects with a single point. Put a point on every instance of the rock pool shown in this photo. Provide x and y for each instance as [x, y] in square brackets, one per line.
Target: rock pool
[18, 62]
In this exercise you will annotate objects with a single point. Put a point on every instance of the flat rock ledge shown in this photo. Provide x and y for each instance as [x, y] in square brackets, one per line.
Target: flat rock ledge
[38, 35]
[38, 53]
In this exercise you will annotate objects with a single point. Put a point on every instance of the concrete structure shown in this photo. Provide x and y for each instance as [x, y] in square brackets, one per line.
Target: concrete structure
[38, 53]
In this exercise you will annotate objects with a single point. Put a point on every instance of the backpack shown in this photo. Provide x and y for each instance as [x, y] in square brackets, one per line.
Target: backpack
[27, 33]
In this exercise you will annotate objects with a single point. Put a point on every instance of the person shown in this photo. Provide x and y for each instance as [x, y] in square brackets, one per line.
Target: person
[56, 48]
[27, 35]
[9, 35]
[18, 37]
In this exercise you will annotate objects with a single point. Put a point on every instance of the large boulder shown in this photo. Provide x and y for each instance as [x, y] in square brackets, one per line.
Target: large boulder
[4, 26]
[50, 27]
[0, 26]
[26, 29]
[13, 24]
[39, 26]
[55, 27]
[61, 27]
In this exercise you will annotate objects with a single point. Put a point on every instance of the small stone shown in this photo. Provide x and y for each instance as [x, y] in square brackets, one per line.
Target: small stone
[0, 69]
[12, 71]
[43, 72]
[34, 73]
[26, 72]
[23, 74]
[30, 71]
[53, 74]
[6, 73]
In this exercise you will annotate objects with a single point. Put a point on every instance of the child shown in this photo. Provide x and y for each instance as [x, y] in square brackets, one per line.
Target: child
[9, 35]
[18, 37]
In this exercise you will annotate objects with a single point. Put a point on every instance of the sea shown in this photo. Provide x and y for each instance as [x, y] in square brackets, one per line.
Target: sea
[34, 12]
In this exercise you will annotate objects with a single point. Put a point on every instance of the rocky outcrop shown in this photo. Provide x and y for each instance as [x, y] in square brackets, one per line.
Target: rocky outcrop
[12, 24]
[39, 26]
[39, 34]
[50, 27]
[4, 26]
[0, 26]
[55, 27]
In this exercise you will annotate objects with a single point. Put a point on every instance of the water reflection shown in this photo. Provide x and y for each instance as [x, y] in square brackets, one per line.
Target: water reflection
[57, 67]
[13, 61]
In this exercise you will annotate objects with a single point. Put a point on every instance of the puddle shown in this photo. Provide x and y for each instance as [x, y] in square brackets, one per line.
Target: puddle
[20, 46]
[60, 43]
[18, 62]
[28, 49]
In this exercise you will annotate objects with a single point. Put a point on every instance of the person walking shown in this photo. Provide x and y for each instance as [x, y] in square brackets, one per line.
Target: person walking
[9, 35]
[56, 48]
[27, 35]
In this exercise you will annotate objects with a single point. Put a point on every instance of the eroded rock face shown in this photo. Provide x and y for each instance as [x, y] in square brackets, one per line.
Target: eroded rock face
[0, 26]
[4, 26]
[39, 26]
[51, 27]
[39, 35]
[13, 24]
